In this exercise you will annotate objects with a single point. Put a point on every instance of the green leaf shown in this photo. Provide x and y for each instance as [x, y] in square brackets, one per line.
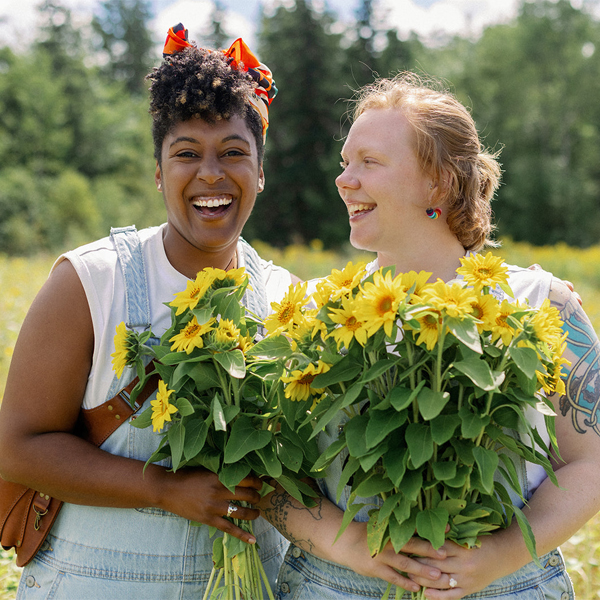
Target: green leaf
[233, 362]
[349, 469]
[431, 403]
[349, 514]
[218, 415]
[231, 475]
[419, 443]
[376, 534]
[346, 399]
[472, 424]
[356, 429]
[184, 406]
[290, 455]
[329, 455]
[526, 360]
[272, 347]
[394, 462]
[379, 368]
[345, 370]
[412, 484]
[381, 424]
[431, 525]
[218, 555]
[143, 420]
[479, 372]
[444, 470]
[244, 438]
[487, 461]
[195, 436]
[402, 397]
[297, 489]
[203, 374]
[443, 428]
[527, 535]
[368, 461]
[176, 436]
[465, 330]
[453, 505]
[268, 455]
[374, 485]
[400, 533]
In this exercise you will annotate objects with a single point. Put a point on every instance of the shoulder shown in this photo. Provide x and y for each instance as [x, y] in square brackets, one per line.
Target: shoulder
[529, 284]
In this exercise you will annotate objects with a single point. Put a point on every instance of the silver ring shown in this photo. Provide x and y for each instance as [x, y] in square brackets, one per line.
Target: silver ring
[452, 583]
[231, 509]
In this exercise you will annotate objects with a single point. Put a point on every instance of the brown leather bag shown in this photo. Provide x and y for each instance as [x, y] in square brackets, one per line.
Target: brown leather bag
[26, 515]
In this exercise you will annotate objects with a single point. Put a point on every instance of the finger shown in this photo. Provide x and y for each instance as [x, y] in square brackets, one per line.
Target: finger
[393, 577]
[230, 528]
[246, 494]
[240, 512]
[251, 481]
[421, 547]
[415, 568]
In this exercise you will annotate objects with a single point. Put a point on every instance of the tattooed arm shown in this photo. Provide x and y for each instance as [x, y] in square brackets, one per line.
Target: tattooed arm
[554, 513]
[314, 530]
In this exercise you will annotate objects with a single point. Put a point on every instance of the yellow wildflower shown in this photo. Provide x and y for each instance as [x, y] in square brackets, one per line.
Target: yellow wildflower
[125, 349]
[454, 300]
[547, 324]
[227, 332]
[481, 271]
[190, 336]
[162, 409]
[350, 326]
[485, 309]
[306, 328]
[287, 312]
[430, 329]
[299, 382]
[379, 302]
[418, 280]
[221, 278]
[341, 283]
[193, 293]
[245, 343]
[501, 328]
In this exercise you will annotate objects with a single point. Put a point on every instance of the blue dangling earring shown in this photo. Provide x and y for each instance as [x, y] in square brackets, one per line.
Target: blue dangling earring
[433, 213]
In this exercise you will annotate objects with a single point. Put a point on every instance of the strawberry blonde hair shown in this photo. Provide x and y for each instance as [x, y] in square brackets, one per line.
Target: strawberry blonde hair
[447, 147]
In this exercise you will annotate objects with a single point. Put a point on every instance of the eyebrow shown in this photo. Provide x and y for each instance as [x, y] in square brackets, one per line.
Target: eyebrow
[192, 140]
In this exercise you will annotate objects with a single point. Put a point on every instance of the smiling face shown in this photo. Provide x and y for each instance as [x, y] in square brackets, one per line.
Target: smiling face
[385, 189]
[209, 176]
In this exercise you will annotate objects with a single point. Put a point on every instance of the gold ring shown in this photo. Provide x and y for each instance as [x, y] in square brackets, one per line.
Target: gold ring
[452, 583]
[231, 509]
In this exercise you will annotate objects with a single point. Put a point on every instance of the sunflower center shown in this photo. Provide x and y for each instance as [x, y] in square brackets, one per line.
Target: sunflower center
[352, 324]
[385, 304]
[286, 313]
[191, 331]
[306, 379]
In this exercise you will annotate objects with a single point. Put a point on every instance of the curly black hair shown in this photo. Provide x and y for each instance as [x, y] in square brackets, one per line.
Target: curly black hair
[196, 83]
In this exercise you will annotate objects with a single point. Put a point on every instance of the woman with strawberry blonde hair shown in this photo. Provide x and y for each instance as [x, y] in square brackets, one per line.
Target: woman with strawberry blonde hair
[417, 184]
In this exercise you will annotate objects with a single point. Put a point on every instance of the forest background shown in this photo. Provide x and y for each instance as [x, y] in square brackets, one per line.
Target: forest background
[76, 151]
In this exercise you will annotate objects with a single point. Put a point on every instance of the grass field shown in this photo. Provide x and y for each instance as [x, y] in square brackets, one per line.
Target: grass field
[20, 279]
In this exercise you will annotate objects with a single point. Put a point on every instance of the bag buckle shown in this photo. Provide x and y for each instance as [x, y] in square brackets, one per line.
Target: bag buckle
[38, 517]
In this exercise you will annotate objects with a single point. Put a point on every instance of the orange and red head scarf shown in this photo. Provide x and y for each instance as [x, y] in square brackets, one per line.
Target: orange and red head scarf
[239, 56]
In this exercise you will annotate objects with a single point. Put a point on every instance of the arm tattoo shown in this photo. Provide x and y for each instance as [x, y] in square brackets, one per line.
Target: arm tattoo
[582, 378]
[280, 506]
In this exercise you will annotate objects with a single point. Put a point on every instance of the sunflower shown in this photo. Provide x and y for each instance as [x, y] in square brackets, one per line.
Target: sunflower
[298, 383]
[245, 343]
[305, 330]
[126, 349]
[485, 309]
[341, 283]
[483, 271]
[287, 312]
[430, 328]
[547, 324]
[190, 336]
[454, 300]
[552, 381]
[501, 328]
[221, 278]
[350, 327]
[162, 409]
[378, 304]
[418, 280]
[193, 293]
[226, 336]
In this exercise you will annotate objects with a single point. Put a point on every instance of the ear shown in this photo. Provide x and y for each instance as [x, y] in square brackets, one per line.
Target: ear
[438, 192]
[261, 180]
[158, 177]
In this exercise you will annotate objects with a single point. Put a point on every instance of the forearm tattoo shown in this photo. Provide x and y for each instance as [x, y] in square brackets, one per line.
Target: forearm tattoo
[281, 505]
[582, 377]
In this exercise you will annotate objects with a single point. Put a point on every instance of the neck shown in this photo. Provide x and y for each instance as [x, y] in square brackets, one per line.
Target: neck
[439, 257]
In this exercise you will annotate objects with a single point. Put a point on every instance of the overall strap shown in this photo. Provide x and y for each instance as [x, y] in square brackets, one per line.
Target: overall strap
[255, 299]
[129, 250]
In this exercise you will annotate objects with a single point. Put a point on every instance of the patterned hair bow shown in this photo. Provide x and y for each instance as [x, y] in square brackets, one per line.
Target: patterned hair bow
[240, 57]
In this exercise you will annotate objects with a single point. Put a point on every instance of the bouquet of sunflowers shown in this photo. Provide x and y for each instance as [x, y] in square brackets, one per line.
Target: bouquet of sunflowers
[435, 381]
[218, 406]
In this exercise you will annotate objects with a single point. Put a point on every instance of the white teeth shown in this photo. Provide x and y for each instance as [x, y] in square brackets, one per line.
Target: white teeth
[354, 209]
[212, 202]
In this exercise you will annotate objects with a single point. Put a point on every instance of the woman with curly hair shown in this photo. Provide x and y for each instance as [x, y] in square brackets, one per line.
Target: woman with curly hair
[123, 532]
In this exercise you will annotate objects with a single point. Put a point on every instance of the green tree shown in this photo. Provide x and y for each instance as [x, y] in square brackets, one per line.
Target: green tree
[300, 201]
[215, 35]
[122, 27]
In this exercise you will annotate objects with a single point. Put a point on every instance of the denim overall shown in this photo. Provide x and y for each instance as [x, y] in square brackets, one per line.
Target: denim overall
[303, 576]
[146, 553]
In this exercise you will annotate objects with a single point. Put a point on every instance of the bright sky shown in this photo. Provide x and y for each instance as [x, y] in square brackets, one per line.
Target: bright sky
[426, 17]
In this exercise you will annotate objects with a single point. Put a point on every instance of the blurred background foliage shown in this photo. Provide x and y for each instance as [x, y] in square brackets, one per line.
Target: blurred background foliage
[75, 145]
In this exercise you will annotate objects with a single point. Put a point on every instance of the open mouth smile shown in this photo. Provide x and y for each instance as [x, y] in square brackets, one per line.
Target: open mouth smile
[213, 205]
[360, 209]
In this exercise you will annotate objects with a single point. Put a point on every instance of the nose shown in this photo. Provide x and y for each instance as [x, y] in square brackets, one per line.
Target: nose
[346, 180]
[210, 170]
